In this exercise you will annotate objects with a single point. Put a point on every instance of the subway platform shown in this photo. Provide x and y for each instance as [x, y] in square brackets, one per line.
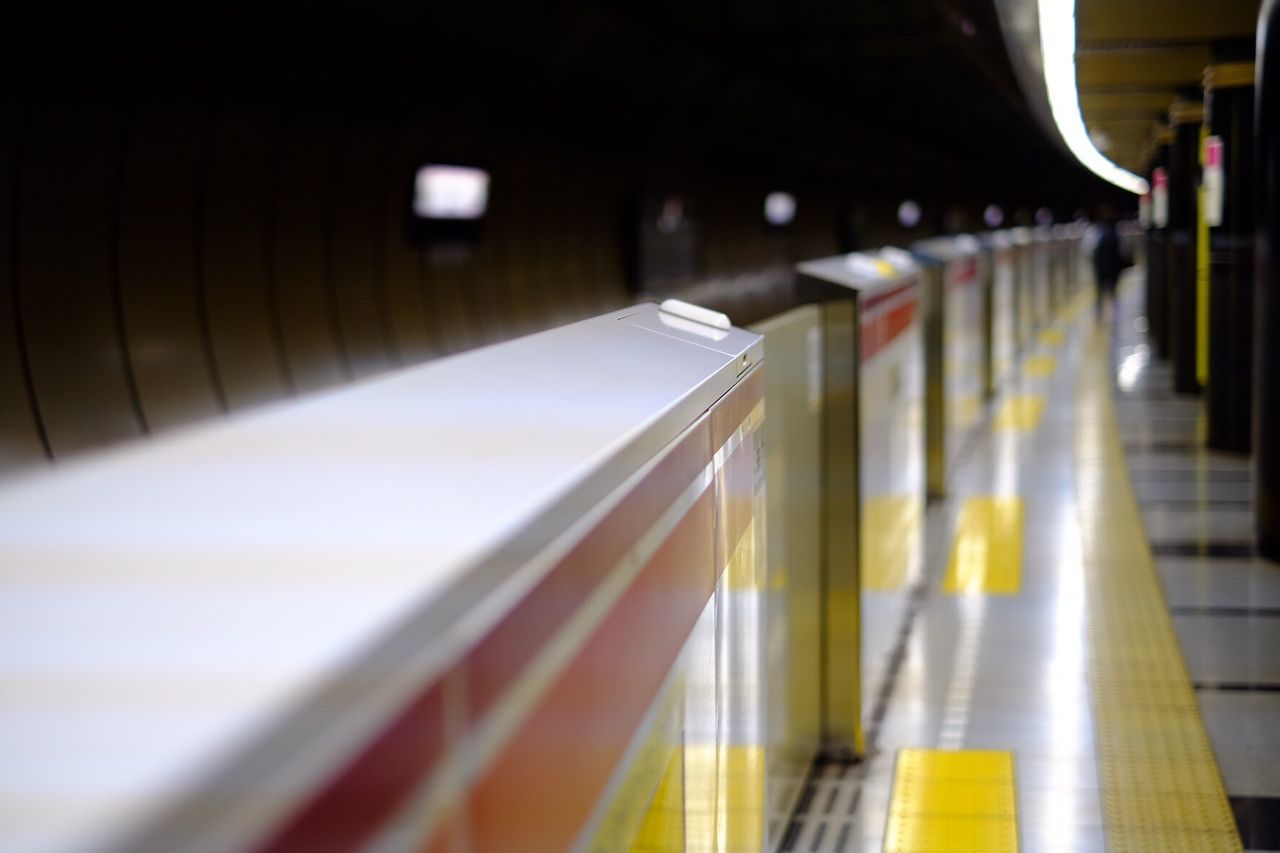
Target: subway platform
[1089, 660]
[929, 561]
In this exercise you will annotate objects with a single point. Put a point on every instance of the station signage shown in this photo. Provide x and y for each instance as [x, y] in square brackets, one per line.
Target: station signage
[1213, 183]
[1160, 197]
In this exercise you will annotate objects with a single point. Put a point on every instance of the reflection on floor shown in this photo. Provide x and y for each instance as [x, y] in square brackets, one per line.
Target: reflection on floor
[1008, 671]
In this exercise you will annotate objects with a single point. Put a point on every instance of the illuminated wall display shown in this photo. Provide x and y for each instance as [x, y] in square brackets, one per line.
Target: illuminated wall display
[450, 192]
[1214, 181]
[448, 210]
[1160, 197]
[779, 209]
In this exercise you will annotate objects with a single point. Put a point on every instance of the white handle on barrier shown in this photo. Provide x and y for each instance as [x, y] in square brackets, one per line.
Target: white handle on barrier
[696, 313]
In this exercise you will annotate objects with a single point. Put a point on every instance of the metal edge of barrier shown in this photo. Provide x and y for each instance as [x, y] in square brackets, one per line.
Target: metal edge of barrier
[840, 286]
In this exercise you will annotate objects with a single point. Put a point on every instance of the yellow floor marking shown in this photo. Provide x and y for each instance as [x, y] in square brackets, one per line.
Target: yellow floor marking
[663, 825]
[1071, 309]
[952, 800]
[1041, 366]
[965, 411]
[724, 797]
[648, 803]
[1021, 412]
[1160, 784]
[1052, 337]
[890, 540]
[986, 556]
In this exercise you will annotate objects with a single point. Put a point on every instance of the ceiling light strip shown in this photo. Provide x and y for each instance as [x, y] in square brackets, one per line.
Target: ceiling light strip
[1058, 47]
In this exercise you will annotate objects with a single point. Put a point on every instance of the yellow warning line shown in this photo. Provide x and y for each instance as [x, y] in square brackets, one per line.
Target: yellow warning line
[946, 800]
[986, 556]
[1160, 786]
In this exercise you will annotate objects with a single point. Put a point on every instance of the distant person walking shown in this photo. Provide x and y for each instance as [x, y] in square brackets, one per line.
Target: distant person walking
[1107, 260]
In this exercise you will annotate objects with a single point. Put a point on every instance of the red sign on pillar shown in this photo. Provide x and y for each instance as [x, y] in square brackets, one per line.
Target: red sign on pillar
[1214, 181]
[1160, 197]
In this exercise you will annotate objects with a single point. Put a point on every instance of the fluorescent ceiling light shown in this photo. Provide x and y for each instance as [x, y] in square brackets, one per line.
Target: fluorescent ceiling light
[1058, 47]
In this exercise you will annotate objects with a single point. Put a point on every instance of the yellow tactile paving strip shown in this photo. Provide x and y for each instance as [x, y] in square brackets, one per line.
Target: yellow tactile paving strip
[946, 800]
[1160, 785]
[986, 555]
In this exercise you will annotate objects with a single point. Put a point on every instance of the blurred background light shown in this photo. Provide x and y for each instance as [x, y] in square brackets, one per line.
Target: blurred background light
[909, 214]
[993, 216]
[779, 208]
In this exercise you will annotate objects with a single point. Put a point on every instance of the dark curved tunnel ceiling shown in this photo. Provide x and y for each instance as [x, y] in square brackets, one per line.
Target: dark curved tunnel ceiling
[912, 96]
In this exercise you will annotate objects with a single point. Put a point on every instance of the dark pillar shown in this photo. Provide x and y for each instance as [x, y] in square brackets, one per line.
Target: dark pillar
[1228, 102]
[1184, 177]
[987, 269]
[1266, 425]
[1158, 250]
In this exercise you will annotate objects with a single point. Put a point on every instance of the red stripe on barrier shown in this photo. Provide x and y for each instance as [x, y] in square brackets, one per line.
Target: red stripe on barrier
[346, 811]
[880, 329]
[962, 272]
[542, 787]
[507, 649]
[867, 304]
[359, 800]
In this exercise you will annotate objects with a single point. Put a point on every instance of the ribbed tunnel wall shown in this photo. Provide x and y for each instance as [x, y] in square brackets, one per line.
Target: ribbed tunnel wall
[164, 265]
[204, 209]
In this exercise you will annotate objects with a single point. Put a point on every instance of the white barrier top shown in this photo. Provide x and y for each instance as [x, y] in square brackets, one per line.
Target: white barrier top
[171, 608]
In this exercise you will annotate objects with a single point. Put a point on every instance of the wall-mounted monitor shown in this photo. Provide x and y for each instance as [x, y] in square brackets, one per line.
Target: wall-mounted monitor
[449, 204]
[450, 192]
